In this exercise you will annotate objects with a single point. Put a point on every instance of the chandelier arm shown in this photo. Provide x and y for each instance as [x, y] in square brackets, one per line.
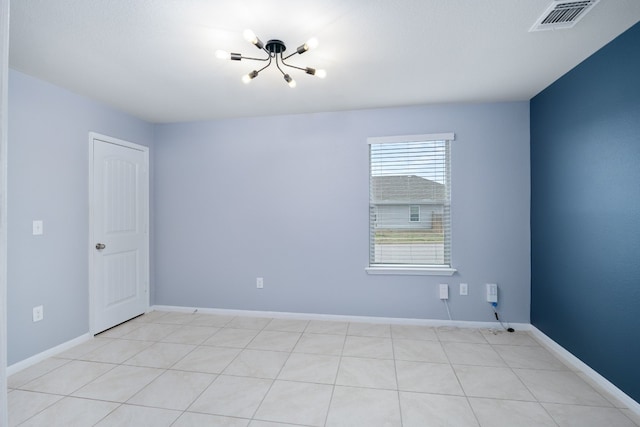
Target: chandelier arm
[255, 59]
[292, 66]
[278, 65]
[266, 66]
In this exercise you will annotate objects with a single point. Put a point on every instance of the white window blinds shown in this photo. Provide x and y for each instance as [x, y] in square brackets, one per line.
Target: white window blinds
[409, 201]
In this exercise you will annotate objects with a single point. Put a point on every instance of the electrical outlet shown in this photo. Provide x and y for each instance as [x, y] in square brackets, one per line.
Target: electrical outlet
[464, 289]
[444, 291]
[259, 283]
[38, 313]
[492, 292]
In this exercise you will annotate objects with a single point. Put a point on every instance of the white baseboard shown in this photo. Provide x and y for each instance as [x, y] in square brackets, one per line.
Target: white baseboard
[579, 365]
[23, 364]
[341, 318]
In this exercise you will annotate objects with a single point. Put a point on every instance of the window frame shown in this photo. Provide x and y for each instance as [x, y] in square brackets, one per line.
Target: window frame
[412, 269]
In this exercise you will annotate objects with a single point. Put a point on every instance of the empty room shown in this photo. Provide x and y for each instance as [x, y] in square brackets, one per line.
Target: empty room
[398, 213]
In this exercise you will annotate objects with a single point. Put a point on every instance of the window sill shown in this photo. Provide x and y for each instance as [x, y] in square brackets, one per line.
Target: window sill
[411, 271]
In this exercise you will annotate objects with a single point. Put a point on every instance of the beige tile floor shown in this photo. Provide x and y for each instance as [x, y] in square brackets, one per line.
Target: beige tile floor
[177, 369]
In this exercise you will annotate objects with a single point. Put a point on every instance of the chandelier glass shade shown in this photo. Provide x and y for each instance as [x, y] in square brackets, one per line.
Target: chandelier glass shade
[275, 55]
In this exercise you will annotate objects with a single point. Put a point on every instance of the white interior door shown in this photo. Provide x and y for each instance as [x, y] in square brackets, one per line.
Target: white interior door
[120, 231]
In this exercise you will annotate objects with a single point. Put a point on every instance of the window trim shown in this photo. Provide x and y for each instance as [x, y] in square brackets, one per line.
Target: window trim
[411, 270]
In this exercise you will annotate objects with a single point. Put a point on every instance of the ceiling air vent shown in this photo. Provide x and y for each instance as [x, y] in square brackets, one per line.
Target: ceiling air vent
[563, 14]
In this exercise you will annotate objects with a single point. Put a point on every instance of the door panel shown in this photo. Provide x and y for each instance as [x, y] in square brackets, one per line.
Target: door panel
[120, 239]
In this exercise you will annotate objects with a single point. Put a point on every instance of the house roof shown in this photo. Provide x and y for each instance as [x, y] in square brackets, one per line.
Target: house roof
[406, 189]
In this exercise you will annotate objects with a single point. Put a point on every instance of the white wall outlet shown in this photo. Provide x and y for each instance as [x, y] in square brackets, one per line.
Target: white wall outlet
[38, 227]
[492, 292]
[464, 289]
[444, 291]
[38, 313]
[259, 283]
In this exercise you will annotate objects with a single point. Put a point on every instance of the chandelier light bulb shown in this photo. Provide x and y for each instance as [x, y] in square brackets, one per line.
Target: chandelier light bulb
[290, 81]
[321, 74]
[246, 79]
[223, 54]
[250, 36]
[312, 43]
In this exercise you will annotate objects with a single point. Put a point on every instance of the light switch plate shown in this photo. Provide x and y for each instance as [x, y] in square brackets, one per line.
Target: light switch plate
[38, 227]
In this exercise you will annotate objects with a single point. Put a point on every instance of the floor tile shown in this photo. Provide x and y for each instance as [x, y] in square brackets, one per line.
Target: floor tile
[297, 403]
[372, 373]
[72, 412]
[31, 373]
[190, 335]
[369, 330]
[419, 351]
[120, 330]
[257, 364]
[160, 355]
[211, 360]
[127, 415]
[86, 347]
[117, 351]
[230, 337]
[232, 396]
[149, 317]
[257, 423]
[320, 344]
[587, 416]
[560, 387]
[369, 347]
[460, 353]
[173, 390]
[287, 325]
[427, 378]
[363, 407]
[529, 357]
[215, 320]
[486, 381]
[446, 333]
[510, 413]
[151, 332]
[413, 332]
[275, 341]
[190, 419]
[68, 378]
[313, 368]
[23, 405]
[176, 318]
[258, 323]
[508, 338]
[119, 384]
[420, 409]
[327, 327]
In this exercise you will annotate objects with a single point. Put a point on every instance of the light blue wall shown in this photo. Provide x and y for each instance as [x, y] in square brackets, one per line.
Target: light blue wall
[585, 218]
[48, 180]
[286, 198]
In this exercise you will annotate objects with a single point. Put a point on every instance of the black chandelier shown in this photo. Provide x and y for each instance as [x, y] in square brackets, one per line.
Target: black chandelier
[275, 50]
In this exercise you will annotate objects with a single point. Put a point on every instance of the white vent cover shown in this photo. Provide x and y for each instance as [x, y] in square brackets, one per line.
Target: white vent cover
[563, 14]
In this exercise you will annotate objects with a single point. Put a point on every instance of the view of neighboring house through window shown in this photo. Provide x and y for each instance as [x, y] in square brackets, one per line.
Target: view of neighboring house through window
[409, 201]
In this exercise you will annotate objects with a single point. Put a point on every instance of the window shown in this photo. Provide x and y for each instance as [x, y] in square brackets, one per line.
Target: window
[409, 204]
[414, 213]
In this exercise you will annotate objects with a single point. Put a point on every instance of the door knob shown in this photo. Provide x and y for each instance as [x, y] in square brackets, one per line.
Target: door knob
[100, 246]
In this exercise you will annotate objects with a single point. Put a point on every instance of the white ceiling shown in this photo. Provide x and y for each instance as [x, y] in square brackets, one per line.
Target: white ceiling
[155, 58]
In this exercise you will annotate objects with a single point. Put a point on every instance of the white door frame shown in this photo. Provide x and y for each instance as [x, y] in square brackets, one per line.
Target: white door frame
[91, 249]
[4, 80]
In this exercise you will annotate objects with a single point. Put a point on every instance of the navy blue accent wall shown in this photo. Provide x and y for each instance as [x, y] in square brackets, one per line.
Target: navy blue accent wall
[585, 211]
